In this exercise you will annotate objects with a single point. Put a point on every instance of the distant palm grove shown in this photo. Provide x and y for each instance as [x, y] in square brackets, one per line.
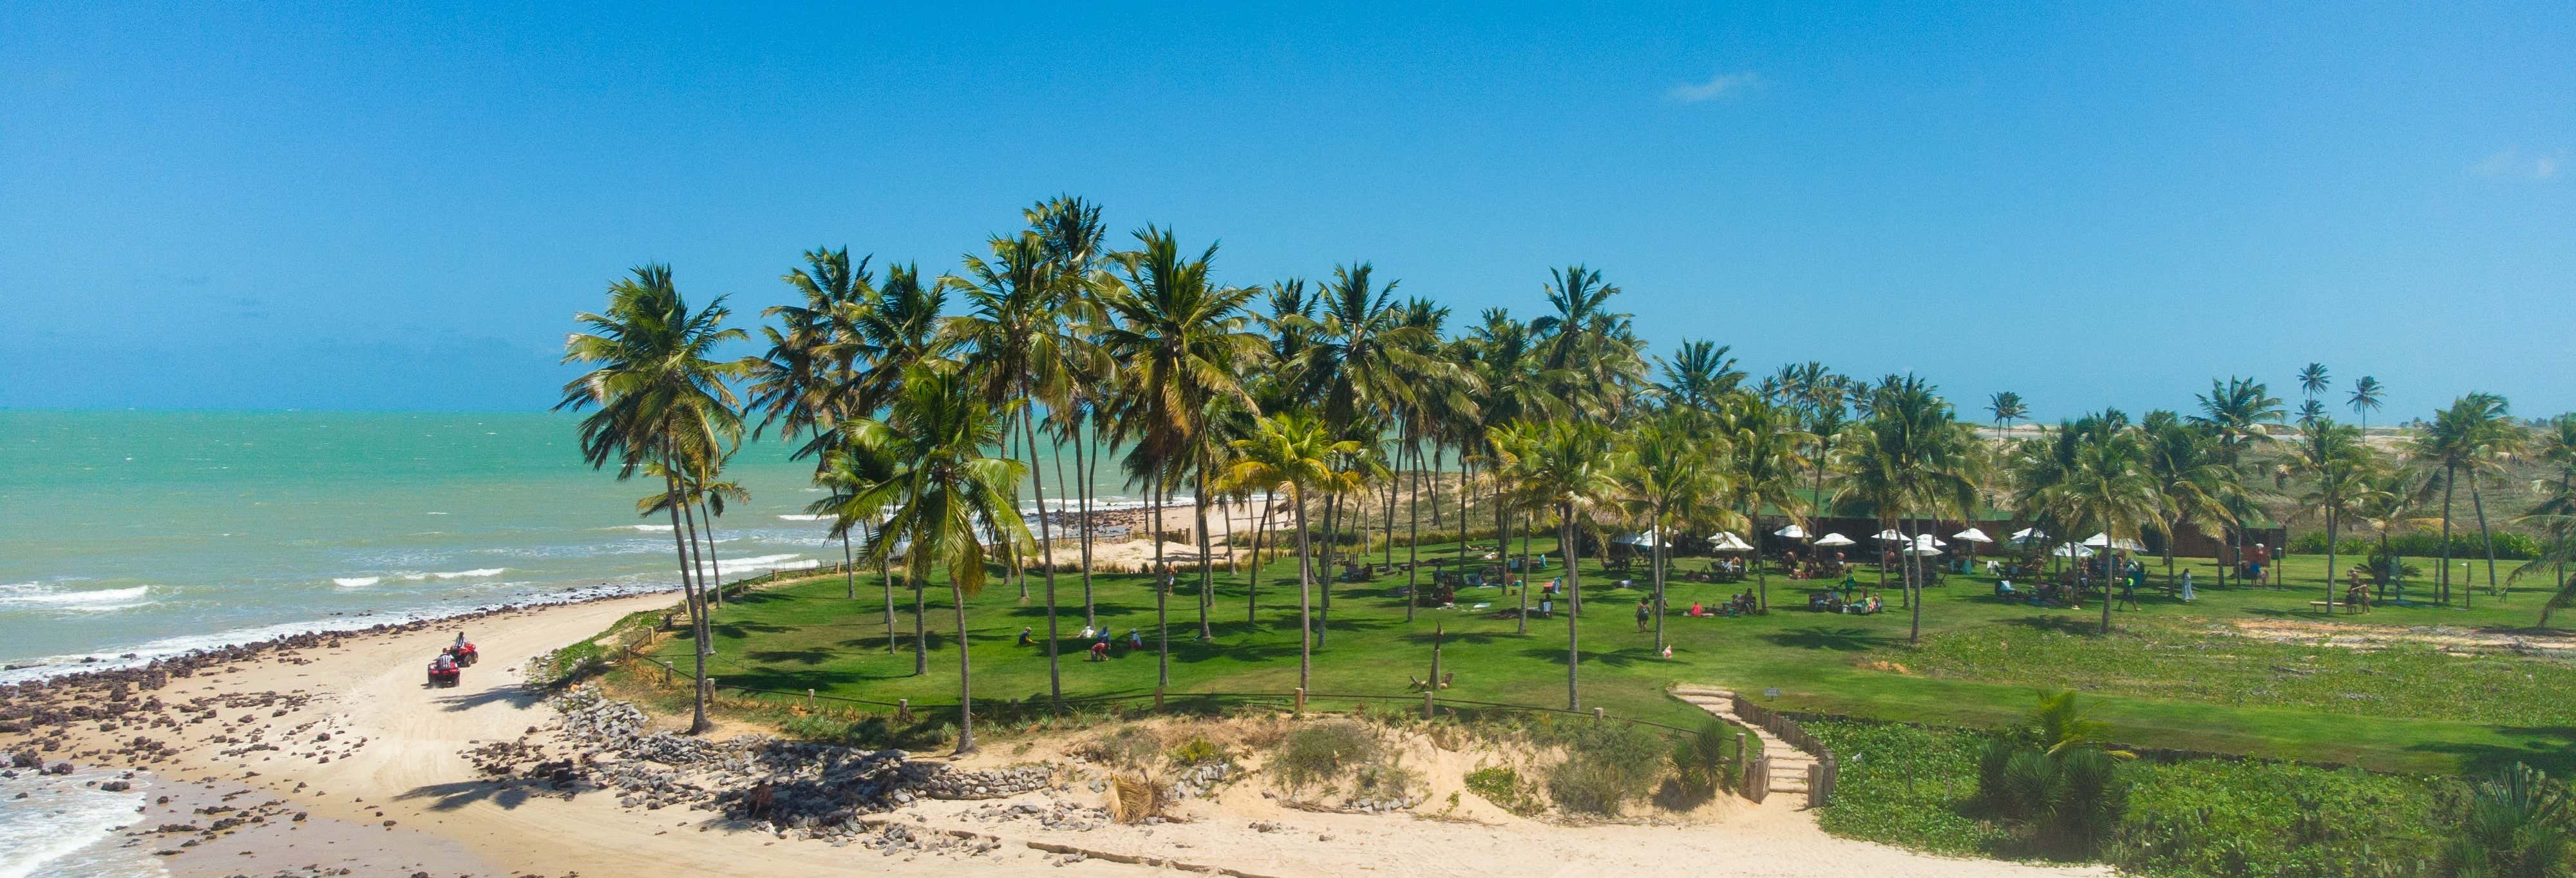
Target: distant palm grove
[925, 400]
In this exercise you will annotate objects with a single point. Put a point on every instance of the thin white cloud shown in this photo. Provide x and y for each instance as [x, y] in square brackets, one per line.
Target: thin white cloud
[2514, 164]
[1716, 87]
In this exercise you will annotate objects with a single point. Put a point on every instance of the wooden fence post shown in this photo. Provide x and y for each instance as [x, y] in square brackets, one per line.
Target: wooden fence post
[1301, 702]
[1428, 705]
[1596, 714]
[903, 710]
[809, 699]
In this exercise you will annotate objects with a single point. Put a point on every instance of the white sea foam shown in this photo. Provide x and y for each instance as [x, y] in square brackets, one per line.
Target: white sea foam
[38, 594]
[471, 574]
[805, 518]
[65, 826]
[356, 581]
[789, 561]
[651, 527]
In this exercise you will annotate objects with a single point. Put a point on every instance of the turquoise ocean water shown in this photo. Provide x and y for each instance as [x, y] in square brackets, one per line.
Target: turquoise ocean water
[153, 533]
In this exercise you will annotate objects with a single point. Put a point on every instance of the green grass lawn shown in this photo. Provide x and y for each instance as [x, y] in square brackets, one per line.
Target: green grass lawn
[2156, 681]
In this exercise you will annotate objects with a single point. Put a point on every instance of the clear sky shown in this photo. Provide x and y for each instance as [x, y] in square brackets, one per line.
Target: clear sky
[295, 205]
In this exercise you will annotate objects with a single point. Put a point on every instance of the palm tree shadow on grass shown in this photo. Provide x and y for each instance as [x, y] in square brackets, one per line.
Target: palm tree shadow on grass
[2055, 624]
[744, 629]
[1845, 639]
[808, 657]
[1620, 658]
[2548, 748]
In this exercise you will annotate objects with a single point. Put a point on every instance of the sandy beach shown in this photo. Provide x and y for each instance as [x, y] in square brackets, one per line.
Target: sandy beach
[329, 753]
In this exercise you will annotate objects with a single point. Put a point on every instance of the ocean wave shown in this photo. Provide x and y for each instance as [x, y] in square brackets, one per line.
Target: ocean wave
[663, 528]
[805, 518]
[64, 825]
[40, 595]
[356, 581]
[477, 573]
[107, 608]
[789, 561]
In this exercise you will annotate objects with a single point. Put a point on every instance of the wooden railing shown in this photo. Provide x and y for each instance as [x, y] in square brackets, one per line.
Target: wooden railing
[1820, 776]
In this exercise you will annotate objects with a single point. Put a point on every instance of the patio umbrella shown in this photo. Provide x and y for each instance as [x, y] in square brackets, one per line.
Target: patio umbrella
[1729, 542]
[2029, 535]
[1972, 535]
[1793, 532]
[2071, 550]
[1638, 540]
[1919, 550]
[1834, 540]
[1928, 540]
[1889, 534]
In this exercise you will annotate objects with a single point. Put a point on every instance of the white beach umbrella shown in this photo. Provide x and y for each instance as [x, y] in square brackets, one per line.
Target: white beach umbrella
[1729, 542]
[1927, 541]
[1922, 550]
[1834, 540]
[2071, 550]
[2098, 540]
[1642, 541]
[1888, 534]
[1972, 535]
[2029, 535]
[1793, 532]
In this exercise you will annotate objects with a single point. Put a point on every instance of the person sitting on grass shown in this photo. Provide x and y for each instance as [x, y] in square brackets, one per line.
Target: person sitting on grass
[1695, 611]
[1100, 650]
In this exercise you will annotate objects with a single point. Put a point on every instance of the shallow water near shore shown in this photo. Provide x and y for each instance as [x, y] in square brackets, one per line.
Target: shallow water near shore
[154, 533]
[66, 828]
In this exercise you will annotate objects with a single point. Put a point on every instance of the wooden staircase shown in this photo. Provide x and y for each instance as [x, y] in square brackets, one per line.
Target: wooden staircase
[1790, 767]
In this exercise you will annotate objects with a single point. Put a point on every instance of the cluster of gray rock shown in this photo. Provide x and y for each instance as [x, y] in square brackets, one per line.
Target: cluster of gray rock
[1198, 780]
[1057, 814]
[805, 789]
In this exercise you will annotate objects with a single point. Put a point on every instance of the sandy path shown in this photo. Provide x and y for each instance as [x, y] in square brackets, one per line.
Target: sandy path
[409, 770]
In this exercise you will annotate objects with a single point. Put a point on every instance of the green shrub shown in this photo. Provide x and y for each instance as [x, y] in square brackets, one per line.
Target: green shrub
[2208, 817]
[2517, 825]
[1126, 747]
[1195, 750]
[1504, 787]
[2509, 545]
[1323, 751]
[1701, 762]
[1605, 767]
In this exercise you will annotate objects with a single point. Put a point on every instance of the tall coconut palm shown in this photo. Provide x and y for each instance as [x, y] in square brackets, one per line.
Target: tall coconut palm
[2338, 465]
[1568, 470]
[1292, 452]
[2006, 407]
[1183, 340]
[1910, 455]
[2387, 500]
[950, 501]
[2468, 438]
[2366, 394]
[2193, 482]
[2313, 380]
[848, 471]
[1585, 346]
[1763, 440]
[2111, 489]
[816, 350]
[662, 398]
[2235, 413]
[1666, 475]
[2555, 515]
[1020, 344]
[1699, 375]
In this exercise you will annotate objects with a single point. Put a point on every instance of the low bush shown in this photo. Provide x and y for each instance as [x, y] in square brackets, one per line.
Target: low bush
[1505, 788]
[2509, 545]
[1126, 746]
[1606, 766]
[1323, 751]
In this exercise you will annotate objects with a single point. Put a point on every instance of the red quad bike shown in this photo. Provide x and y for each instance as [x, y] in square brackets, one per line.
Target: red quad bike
[465, 656]
[446, 678]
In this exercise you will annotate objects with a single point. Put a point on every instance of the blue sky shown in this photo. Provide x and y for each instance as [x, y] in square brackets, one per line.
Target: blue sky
[256, 206]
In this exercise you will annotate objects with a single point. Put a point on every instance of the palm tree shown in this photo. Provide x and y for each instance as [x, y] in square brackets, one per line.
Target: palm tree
[2235, 412]
[1910, 456]
[849, 471]
[816, 351]
[2467, 437]
[2313, 381]
[663, 400]
[1568, 470]
[1294, 452]
[2555, 515]
[1665, 475]
[2007, 407]
[1699, 374]
[1184, 344]
[2365, 399]
[2334, 458]
[1587, 348]
[1764, 439]
[951, 503]
[2387, 499]
[2193, 481]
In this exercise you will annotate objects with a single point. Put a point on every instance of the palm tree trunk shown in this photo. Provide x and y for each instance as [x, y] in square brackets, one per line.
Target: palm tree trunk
[697, 612]
[1573, 632]
[2330, 551]
[688, 522]
[1413, 540]
[1162, 588]
[1305, 598]
[920, 621]
[965, 673]
[1503, 550]
[1089, 618]
[1011, 548]
[849, 569]
[713, 562]
[1260, 533]
[2449, 475]
[2478, 503]
[1332, 536]
[885, 576]
[1656, 534]
[1207, 552]
[1440, 458]
[1046, 545]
